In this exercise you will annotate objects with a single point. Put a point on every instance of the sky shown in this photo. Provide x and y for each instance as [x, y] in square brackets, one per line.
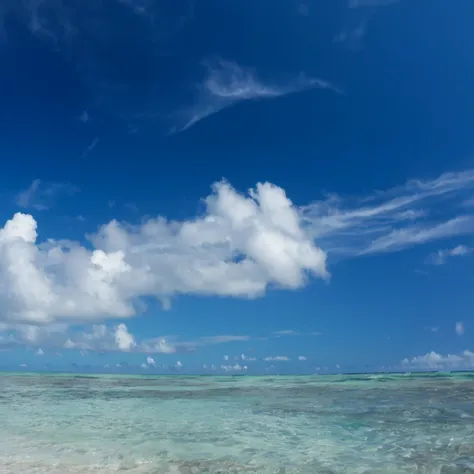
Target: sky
[236, 187]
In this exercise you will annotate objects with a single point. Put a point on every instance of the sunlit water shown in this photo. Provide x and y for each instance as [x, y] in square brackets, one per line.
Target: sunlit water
[339, 424]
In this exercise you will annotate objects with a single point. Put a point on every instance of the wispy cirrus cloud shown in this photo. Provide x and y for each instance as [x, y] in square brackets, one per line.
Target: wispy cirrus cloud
[228, 83]
[292, 332]
[419, 234]
[442, 256]
[363, 13]
[41, 195]
[78, 35]
[92, 145]
[415, 213]
[286, 332]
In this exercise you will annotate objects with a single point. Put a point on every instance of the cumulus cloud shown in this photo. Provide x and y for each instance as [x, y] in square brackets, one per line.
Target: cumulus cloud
[459, 328]
[441, 256]
[39, 352]
[415, 213]
[150, 361]
[240, 247]
[227, 84]
[276, 359]
[124, 340]
[302, 358]
[434, 361]
[41, 195]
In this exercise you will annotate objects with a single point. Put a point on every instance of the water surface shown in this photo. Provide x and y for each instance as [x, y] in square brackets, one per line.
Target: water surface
[181, 425]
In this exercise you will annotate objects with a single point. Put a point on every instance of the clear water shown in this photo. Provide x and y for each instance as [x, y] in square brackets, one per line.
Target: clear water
[338, 424]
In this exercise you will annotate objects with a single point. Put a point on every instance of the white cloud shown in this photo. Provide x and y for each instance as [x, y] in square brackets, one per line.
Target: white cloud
[353, 36]
[434, 361]
[150, 361]
[208, 340]
[157, 345]
[276, 359]
[179, 364]
[242, 246]
[286, 332]
[226, 357]
[394, 219]
[125, 341]
[291, 332]
[234, 368]
[92, 145]
[441, 256]
[41, 196]
[302, 358]
[39, 352]
[459, 328]
[97, 338]
[248, 358]
[358, 24]
[401, 238]
[227, 83]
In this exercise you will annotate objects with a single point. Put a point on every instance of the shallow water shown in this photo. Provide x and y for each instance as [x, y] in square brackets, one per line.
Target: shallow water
[182, 425]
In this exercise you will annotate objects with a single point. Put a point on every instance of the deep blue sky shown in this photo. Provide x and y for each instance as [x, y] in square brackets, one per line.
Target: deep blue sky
[98, 104]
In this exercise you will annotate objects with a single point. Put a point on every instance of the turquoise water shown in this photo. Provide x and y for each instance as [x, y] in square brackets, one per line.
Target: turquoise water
[334, 424]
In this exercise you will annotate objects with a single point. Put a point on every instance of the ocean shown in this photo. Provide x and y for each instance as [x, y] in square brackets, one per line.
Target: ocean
[420, 423]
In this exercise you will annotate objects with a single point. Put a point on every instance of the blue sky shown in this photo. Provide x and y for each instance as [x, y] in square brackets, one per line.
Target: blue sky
[237, 187]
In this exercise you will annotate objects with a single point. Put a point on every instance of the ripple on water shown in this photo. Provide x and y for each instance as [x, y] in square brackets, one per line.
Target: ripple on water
[337, 424]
